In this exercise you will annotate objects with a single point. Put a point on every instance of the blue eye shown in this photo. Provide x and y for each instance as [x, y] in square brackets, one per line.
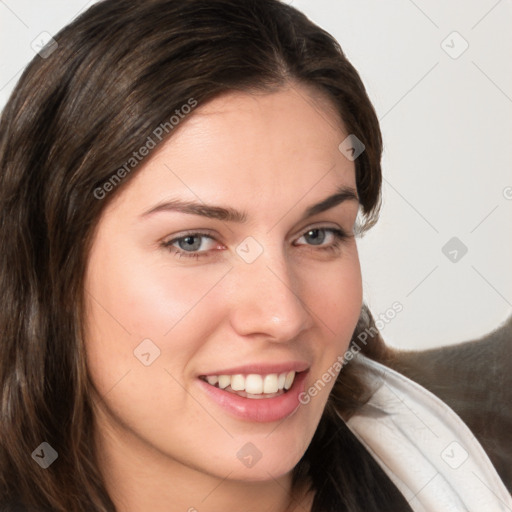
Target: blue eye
[318, 236]
[188, 245]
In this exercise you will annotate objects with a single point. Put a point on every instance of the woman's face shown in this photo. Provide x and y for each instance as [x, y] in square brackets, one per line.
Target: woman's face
[250, 281]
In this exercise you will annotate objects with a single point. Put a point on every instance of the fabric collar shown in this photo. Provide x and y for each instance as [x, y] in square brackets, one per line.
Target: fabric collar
[424, 446]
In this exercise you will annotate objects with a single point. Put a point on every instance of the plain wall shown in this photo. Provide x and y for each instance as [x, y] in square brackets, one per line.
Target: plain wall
[446, 118]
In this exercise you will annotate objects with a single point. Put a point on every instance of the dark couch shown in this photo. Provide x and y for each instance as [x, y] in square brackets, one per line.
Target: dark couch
[475, 379]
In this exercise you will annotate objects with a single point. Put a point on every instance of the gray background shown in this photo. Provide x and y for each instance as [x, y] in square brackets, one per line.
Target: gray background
[446, 117]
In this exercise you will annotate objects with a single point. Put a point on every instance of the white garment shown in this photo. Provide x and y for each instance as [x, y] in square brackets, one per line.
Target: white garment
[425, 448]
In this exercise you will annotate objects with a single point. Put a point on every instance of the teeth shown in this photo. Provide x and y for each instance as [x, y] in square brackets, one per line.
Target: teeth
[289, 380]
[224, 381]
[270, 383]
[212, 379]
[253, 383]
[238, 382]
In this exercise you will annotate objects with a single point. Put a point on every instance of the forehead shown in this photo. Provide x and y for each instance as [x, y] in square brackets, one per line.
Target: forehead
[255, 144]
[286, 117]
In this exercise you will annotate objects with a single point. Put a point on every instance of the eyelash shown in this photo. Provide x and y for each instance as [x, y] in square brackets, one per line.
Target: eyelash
[339, 234]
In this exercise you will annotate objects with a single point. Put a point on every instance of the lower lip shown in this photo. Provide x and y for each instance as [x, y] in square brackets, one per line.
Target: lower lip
[260, 409]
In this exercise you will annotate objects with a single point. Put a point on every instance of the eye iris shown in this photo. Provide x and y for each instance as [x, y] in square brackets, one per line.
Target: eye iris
[315, 239]
[189, 244]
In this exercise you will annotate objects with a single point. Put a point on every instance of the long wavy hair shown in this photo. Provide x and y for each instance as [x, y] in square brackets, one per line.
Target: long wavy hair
[80, 110]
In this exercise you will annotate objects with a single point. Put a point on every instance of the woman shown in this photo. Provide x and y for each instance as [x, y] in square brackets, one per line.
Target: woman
[180, 190]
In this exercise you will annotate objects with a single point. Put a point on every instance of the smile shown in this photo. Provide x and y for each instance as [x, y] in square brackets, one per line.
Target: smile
[253, 385]
[264, 397]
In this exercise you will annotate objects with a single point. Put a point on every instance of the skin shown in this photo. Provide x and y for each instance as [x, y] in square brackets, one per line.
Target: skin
[163, 443]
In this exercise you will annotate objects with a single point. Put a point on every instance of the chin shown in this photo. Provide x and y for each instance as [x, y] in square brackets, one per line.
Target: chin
[271, 454]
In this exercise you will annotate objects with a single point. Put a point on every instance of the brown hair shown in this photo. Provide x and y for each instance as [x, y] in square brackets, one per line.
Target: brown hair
[121, 70]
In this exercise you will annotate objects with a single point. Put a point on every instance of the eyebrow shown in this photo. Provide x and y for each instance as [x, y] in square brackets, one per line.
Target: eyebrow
[229, 214]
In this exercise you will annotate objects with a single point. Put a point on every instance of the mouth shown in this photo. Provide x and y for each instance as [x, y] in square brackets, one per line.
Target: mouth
[256, 397]
[253, 385]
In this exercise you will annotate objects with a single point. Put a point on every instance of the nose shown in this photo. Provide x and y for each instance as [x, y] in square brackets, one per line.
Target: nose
[268, 299]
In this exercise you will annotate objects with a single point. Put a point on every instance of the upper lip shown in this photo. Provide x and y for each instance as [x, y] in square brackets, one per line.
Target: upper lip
[262, 368]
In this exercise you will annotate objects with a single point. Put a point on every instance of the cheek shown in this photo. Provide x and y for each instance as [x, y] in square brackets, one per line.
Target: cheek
[131, 304]
[334, 295]
[335, 298]
[143, 296]
[137, 306]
